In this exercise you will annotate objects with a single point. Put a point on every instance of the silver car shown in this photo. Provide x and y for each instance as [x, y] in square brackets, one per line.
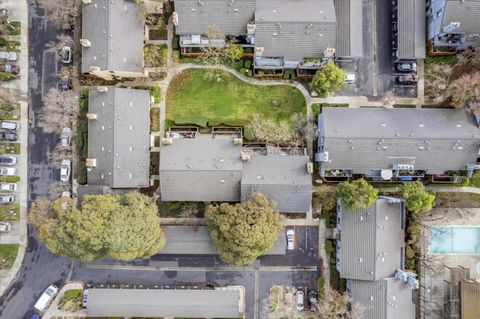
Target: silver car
[5, 227]
[290, 239]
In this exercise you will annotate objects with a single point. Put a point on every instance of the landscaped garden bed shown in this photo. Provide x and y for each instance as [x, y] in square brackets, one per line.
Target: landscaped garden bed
[71, 301]
[10, 212]
[181, 209]
[10, 112]
[154, 119]
[193, 99]
[9, 148]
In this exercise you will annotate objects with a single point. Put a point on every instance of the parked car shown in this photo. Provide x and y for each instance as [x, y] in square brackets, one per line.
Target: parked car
[8, 56]
[65, 170]
[65, 137]
[35, 316]
[407, 79]
[290, 239]
[349, 78]
[84, 298]
[9, 68]
[46, 298]
[312, 300]
[8, 160]
[8, 125]
[8, 136]
[7, 199]
[300, 300]
[8, 186]
[64, 86]
[406, 67]
[7, 171]
[66, 54]
[5, 227]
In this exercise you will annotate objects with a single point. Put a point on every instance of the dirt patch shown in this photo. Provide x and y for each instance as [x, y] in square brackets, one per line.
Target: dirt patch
[457, 200]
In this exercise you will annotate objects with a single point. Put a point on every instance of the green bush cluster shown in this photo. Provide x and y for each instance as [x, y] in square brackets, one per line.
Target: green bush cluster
[329, 246]
[321, 288]
[289, 74]
[6, 76]
[80, 172]
[156, 93]
[197, 120]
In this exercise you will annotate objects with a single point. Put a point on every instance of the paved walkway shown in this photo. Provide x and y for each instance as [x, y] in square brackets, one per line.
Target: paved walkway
[18, 11]
[322, 229]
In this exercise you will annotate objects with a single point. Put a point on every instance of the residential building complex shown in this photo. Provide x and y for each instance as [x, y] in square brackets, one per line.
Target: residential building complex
[396, 144]
[213, 168]
[278, 34]
[370, 255]
[112, 39]
[409, 29]
[118, 138]
[453, 24]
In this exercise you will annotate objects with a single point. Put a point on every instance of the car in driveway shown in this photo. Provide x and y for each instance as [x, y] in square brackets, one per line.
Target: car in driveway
[8, 136]
[9, 187]
[66, 54]
[7, 171]
[290, 239]
[5, 227]
[406, 67]
[8, 56]
[65, 168]
[7, 199]
[407, 79]
[300, 300]
[9, 126]
[64, 86]
[8, 160]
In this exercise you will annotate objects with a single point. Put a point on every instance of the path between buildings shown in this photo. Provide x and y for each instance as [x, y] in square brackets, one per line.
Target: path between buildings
[453, 189]
[203, 222]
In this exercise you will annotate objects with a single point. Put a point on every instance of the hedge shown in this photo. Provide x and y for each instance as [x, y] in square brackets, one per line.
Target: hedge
[248, 64]
[81, 172]
[156, 93]
[199, 120]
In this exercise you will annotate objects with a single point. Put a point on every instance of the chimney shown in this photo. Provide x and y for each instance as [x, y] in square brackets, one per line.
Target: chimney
[91, 116]
[310, 168]
[85, 42]
[245, 156]
[167, 141]
[91, 162]
[102, 89]
[237, 141]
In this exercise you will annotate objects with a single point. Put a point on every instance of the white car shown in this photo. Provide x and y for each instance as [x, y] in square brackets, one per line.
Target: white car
[5, 227]
[300, 300]
[46, 298]
[8, 125]
[7, 171]
[290, 239]
[8, 187]
[7, 199]
[65, 170]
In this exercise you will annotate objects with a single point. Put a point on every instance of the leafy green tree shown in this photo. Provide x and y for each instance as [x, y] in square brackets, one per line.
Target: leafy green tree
[417, 199]
[122, 227]
[242, 232]
[357, 194]
[328, 80]
[234, 52]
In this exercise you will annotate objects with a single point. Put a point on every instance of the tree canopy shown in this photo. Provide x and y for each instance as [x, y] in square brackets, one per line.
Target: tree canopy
[122, 227]
[242, 232]
[328, 80]
[417, 199]
[234, 52]
[357, 194]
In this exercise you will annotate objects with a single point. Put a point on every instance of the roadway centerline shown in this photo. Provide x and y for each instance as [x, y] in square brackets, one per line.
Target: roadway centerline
[205, 269]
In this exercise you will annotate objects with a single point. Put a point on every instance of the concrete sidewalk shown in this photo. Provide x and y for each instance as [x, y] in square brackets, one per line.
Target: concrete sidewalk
[18, 10]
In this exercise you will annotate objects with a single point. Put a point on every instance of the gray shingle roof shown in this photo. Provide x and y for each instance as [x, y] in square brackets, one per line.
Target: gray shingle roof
[467, 13]
[295, 29]
[387, 299]
[231, 17]
[283, 179]
[211, 169]
[116, 36]
[372, 240]
[163, 303]
[185, 240]
[367, 139]
[201, 169]
[411, 29]
[119, 138]
[349, 40]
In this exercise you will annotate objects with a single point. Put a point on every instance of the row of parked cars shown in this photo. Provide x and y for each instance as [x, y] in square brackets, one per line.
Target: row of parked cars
[7, 60]
[409, 73]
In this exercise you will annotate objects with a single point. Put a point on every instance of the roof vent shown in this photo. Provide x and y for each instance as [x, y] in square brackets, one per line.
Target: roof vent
[130, 175]
[237, 140]
[91, 116]
[167, 141]
[102, 89]
[310, 168]
[384, 124]
[245, 156]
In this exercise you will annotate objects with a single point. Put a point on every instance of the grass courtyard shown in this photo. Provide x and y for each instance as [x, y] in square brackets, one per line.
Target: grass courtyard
[191, 99]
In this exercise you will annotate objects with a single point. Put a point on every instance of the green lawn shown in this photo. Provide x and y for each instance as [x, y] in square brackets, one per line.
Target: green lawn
[10, 212]
[9, 148]
[8, 252]
[191, 99]
[10, 112]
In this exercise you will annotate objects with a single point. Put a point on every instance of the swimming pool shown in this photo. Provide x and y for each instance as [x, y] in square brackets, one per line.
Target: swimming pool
[454, 240]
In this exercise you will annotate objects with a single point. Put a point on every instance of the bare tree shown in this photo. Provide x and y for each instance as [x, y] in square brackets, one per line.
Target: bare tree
[61, 40]
[61, 13]
[272, 132]
[59, 154]
[437, 77]
[214, 53]
[465, 90]
[57, 188]
[188, 211]
[60, 110]
[4, 23]
[388, 99]
[66, 73]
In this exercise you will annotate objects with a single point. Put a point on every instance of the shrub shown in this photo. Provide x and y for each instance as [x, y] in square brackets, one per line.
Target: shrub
[3, 42]
[156, 93]
[316, 109]
[6, 76]
[409, 252]
[176, 56]
[249, 73]
[199, 120]
[248, 64]
[81, 172]
[175, 42]
[329, 247]
[242, 71]
[321, 288]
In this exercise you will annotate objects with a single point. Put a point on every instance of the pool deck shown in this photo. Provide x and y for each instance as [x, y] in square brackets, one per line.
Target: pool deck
[434, 271]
